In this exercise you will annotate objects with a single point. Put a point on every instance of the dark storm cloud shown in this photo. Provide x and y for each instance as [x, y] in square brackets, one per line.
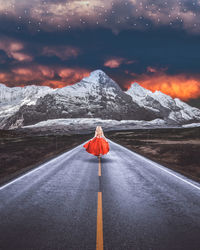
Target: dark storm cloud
[58, 42]
[177, 51]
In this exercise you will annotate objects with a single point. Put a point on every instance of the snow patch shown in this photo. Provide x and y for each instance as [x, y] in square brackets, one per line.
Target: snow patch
[93, 122]
[191, 125]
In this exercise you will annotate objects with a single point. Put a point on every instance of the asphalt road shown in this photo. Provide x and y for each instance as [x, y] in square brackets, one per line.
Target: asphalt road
[144, 205]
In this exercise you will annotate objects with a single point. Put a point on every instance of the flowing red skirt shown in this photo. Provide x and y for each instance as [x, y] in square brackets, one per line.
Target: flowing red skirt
[97, 146]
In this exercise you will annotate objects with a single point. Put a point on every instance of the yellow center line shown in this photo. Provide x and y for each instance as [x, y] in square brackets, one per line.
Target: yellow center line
[99, 239]
[99, 235]
[99, 167]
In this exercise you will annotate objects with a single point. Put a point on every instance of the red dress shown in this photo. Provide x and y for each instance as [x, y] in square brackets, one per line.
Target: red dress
[97, 146]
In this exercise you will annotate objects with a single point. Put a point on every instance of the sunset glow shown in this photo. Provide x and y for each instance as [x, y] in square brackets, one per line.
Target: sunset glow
[181, 86]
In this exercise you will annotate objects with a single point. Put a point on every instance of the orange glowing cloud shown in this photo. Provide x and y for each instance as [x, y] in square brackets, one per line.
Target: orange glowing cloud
[180, 86]
[156, 70]
[13, 49]
[46, 71]
[15, 46]
[113, 63]
[3, 77]
[116, 62]
[151, 69]
[24, 75]
[43, 75]
[24, 71]
[71, 76]
[54, 83]
[22, 57]
[68, 76]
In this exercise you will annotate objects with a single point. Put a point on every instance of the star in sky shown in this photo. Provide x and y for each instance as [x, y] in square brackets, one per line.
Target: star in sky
[110, 14]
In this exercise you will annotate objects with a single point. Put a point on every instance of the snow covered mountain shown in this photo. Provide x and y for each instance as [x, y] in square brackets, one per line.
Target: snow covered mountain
[96, 96]
[11, 99]
[172, 110]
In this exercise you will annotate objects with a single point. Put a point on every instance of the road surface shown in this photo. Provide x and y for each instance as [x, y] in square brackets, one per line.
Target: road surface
[123, 201]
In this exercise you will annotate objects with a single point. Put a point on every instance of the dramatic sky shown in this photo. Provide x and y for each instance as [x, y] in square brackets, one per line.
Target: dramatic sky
[57, 42]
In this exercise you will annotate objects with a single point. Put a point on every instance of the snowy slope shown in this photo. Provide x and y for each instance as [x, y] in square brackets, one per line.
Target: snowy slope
[27, 94]
[94, 121]
[171, 109]
[146, 98]
[81, 125]
[11, 99]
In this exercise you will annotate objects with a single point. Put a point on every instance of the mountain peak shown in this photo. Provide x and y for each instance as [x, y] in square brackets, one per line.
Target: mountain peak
[135, 84]
[95, 76]
[98, 72]
[137, 89]
[3, 86]
[101, 79]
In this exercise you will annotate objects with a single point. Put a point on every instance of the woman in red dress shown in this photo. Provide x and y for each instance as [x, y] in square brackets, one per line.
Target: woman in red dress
[98, 145]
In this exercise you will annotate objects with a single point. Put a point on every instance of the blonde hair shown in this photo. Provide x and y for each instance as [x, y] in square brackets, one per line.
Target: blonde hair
[99, 131]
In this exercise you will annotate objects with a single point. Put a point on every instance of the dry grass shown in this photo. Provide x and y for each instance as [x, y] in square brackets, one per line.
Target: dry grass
[21, 152]
[178, 149]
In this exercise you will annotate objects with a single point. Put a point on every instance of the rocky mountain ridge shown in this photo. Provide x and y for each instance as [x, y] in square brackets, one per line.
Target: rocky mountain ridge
[96, 96]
